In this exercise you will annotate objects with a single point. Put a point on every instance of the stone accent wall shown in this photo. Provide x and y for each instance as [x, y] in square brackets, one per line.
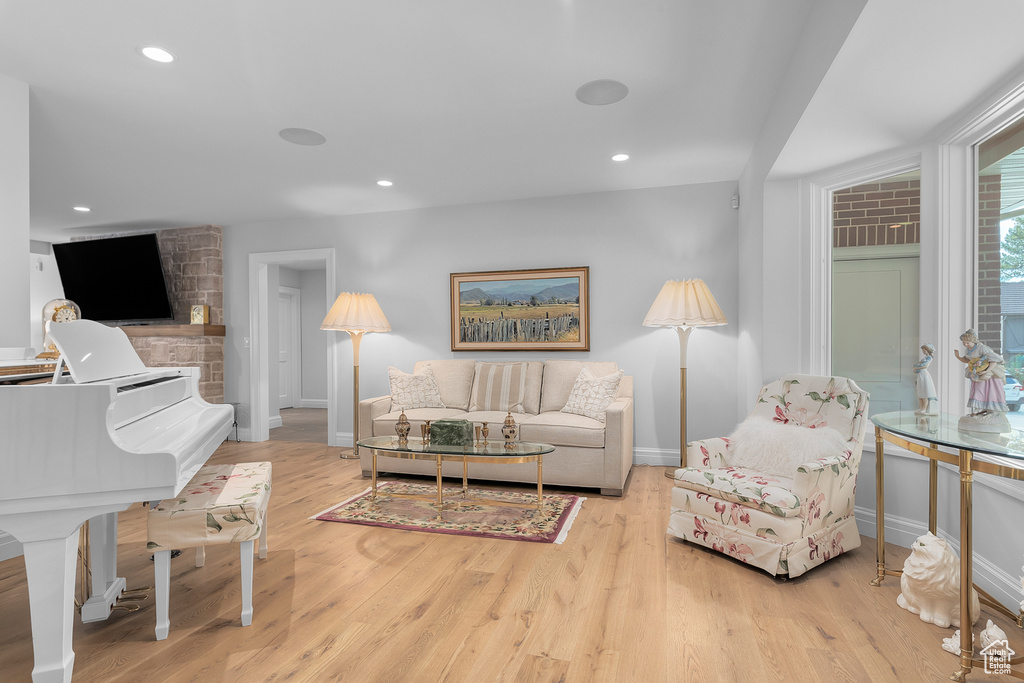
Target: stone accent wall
[989, 289]
[193, 263]
[861, 215]
[206, 353]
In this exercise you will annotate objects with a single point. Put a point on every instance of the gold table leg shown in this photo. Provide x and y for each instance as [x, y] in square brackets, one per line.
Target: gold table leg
[373, 477]
[879, 507]
[540, 484]
[440, 497]
[465, 477]
[966, 567]
[933, 492]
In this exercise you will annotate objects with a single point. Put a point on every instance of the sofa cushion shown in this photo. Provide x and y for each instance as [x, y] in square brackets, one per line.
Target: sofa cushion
[493, 418]
[418, 390]
[385, 424]
[560, 376]
[591, 395]
[454, 380]
[562, 429]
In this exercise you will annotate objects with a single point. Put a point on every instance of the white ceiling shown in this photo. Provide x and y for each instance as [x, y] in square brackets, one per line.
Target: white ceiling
[906, 70]
[455, 101]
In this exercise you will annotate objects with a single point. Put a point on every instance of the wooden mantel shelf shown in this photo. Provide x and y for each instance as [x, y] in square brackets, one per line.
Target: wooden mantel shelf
[174, 330]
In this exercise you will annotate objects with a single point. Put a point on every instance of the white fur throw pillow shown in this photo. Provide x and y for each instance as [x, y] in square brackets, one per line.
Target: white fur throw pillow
[778, 449]
[591, 395]
[414, 391]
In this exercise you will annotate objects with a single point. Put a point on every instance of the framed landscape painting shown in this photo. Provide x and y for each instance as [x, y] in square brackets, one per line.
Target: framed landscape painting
[521, 310]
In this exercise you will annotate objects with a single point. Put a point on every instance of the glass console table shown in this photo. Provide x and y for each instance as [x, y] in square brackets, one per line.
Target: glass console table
[494, 452]
[1001, 455]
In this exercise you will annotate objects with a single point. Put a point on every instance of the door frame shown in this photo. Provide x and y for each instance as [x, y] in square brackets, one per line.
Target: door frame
[259, 334]
[295, 333]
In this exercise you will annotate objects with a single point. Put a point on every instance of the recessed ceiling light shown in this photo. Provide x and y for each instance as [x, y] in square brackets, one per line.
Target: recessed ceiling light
[385, 183]
[302, 136]
[601, 92]
[157, 54]
[620, 157]
[83, 209]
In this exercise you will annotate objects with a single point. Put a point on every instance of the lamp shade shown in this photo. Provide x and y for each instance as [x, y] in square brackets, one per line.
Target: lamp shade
[356, 313]
[684, 303]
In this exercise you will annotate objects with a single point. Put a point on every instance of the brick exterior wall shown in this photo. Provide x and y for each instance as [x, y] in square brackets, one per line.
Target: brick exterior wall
[861, 215]
[989, 306]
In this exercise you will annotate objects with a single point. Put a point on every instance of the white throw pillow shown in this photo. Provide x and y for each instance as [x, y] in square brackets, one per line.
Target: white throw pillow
[591, 396]
[778, 449]
[414, 391]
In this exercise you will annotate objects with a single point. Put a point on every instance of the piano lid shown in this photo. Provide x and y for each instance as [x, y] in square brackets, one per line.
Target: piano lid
[93, 352]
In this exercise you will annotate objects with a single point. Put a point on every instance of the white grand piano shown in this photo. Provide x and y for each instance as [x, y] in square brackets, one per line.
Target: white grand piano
[117, 433]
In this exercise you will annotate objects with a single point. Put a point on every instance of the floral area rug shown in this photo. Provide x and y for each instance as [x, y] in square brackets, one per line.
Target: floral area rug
[493, 520]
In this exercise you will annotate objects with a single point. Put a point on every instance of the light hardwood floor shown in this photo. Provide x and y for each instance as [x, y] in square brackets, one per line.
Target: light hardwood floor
[302, 424]
[619, 601]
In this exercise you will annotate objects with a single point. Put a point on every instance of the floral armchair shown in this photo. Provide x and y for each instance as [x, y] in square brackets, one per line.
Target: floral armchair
[783, 526]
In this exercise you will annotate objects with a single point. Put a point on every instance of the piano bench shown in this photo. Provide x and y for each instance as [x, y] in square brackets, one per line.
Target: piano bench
[221, 504]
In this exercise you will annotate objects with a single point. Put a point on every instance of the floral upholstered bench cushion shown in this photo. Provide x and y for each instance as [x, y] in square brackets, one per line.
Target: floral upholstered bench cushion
[743, 486]
[222, 504]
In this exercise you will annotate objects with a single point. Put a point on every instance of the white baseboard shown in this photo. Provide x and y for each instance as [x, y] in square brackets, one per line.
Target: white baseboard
[313, 403]
[275, 421]
[9, 546]
[903, 532]
[657, 457]
[343, 439]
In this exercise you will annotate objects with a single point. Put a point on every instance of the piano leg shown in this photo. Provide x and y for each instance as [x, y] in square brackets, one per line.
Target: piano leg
[50, 567]
[106, 586]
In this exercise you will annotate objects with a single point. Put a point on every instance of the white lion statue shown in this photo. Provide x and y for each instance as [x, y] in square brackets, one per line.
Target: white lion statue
[931, 583]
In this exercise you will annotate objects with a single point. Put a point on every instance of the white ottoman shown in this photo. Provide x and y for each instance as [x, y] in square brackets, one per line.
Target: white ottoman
[222, 504]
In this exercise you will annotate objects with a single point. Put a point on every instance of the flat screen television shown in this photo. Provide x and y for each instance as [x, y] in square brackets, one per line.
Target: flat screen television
[115, 279]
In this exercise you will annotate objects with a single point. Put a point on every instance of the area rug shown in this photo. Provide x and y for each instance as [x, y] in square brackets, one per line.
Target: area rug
[468, 519]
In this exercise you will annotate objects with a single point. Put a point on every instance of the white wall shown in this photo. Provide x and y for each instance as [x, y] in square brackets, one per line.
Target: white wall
[769, 290]
[632, 240]
[315, 342]
[14, 213]
[44, 285]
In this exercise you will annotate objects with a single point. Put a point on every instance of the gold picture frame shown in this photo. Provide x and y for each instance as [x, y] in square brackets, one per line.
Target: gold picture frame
[544, 309]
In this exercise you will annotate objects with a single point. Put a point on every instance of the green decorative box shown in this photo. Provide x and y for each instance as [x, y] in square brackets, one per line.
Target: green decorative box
[451, 432]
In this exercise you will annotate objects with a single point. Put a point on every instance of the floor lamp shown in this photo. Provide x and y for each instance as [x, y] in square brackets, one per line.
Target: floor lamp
[355, 314]
[684, 305]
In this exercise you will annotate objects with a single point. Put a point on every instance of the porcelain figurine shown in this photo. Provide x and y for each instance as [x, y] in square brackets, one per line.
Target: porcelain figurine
[930, 583]
[952, 644]
[927, 400]
[991, 634]
[987, 401]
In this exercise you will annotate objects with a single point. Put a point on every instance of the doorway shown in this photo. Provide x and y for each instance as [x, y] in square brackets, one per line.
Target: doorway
[261, 294]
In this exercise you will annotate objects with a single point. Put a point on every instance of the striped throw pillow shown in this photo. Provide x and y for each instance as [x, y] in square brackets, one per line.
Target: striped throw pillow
[499, 386]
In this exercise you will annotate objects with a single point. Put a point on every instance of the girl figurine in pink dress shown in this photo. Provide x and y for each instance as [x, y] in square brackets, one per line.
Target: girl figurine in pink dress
[987, 373]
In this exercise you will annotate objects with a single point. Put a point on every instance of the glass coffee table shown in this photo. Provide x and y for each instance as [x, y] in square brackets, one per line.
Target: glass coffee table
[415, 449]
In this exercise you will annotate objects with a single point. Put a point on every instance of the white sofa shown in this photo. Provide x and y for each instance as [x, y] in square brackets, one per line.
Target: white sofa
[588, 453]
